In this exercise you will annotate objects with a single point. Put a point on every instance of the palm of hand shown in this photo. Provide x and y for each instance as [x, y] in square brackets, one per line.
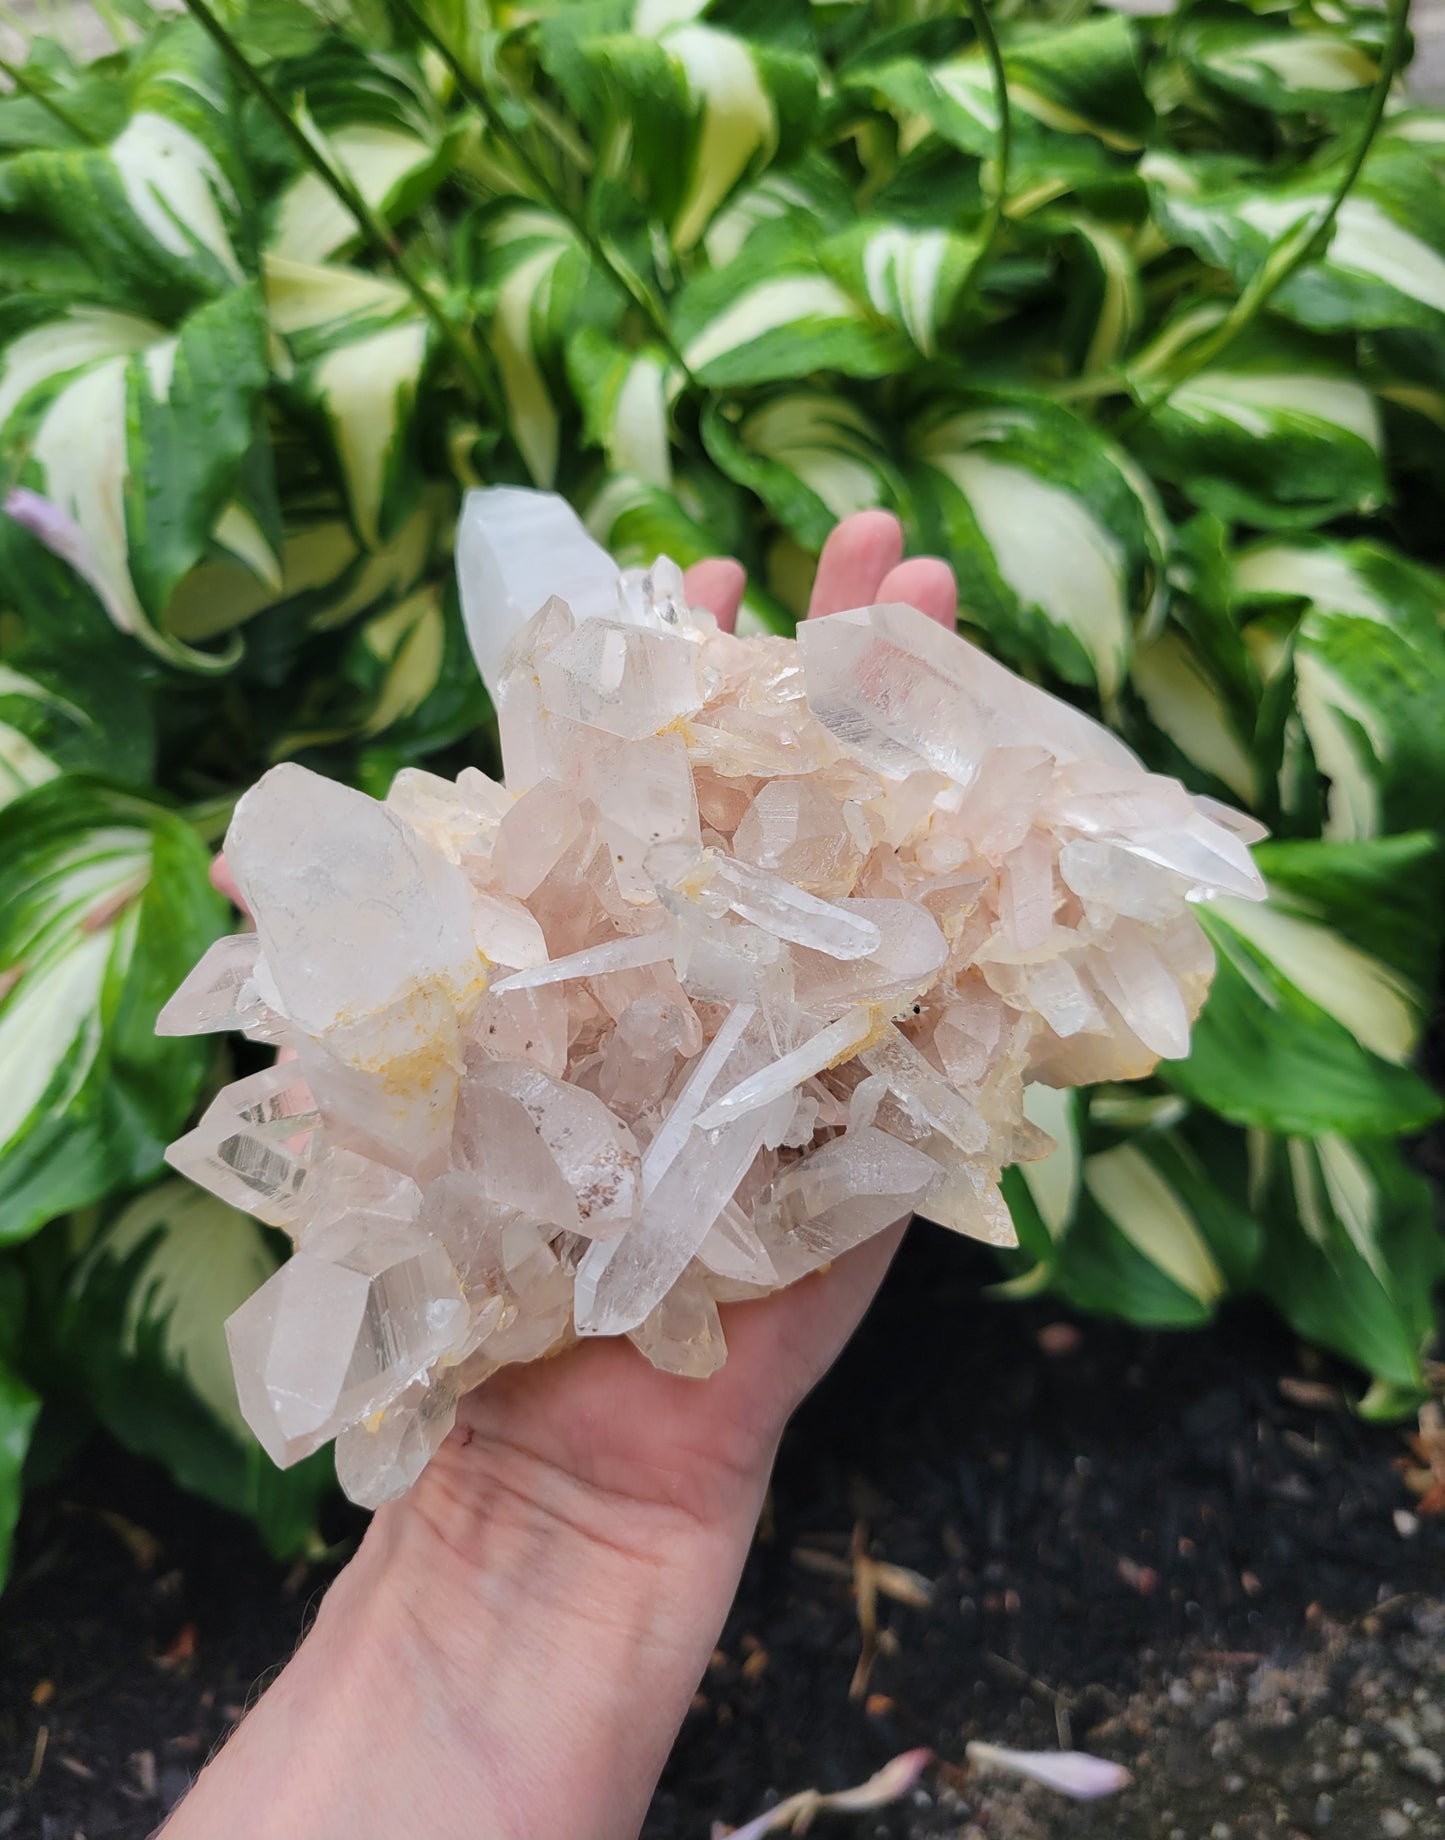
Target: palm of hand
[601, 1434]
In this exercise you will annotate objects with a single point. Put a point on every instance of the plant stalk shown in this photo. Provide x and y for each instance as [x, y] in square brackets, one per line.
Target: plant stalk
[372, 225]
[1303, 242]
[1003, 147]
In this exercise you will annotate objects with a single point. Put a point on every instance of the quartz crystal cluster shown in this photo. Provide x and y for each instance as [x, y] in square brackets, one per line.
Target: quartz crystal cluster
[755, 951]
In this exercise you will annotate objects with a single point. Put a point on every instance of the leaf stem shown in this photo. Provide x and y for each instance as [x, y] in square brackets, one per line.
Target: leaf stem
[32, 89]
[372, 225]
[1003, 146]
[622, 273]
[1303, 242]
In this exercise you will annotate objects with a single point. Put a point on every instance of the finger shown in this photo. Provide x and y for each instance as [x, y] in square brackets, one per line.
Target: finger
[924, 582]
[224, 882]
[717, 584]
[858, 554]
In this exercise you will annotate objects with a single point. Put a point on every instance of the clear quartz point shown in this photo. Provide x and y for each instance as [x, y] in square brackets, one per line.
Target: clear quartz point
[338, 1333]
[515, 550]
[254, 1145]
[379, 1458]
[757, 950]
[219, 994]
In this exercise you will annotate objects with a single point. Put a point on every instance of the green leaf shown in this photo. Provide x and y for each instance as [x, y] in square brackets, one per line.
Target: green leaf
[19, 1407]
[104, 906]
[1000, 469]
[144, 1329]
[1081, 78]
[1278, 432]
[1353, 1256]
[1302, 1032]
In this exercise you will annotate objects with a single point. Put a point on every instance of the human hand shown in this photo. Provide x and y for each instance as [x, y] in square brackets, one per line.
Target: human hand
[532, 1619]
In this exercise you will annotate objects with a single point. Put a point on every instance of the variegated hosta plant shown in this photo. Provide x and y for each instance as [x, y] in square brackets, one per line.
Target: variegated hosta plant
[1139, 320]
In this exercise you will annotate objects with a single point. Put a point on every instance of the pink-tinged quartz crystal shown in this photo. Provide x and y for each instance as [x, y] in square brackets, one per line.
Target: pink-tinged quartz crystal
[758, 949]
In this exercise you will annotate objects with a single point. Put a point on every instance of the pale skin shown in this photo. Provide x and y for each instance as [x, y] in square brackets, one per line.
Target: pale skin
[514, 1646]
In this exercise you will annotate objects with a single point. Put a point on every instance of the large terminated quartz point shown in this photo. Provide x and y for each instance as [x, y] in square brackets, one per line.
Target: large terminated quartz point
[756, 951]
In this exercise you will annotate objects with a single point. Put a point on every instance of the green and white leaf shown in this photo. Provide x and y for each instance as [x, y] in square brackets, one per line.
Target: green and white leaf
[1303, 1032]
[311, 224]
[909, 275]
[809, 193]
[625, 397]
[1279, 432]
[1353, 1255]
[775, 312]
[688, 108]
[137, 437]
[1189, 710]
[1386, 895]
[1053, 1181]
[1385, 265]
[1105, 305]
[1132, 1192]
[104, 905]
[358, 346]
[1369, 671]
[143, 1328]
[812, 456]
[155, 213]
[1284, 69]
[736, 128]
[1079, 79]
[25, 707]
[1056, 538]
[1144, 1230]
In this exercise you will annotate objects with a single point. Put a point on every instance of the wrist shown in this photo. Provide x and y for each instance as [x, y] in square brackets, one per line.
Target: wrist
[510, 1652]
[561, 1627]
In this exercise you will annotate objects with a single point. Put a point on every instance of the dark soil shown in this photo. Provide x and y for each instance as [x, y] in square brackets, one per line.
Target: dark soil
[1142, 1545]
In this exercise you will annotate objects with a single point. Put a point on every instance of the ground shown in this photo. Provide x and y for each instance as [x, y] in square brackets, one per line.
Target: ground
[1182, 1552]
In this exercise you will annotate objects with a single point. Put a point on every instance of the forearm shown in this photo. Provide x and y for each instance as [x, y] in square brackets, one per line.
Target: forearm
[515, 1668]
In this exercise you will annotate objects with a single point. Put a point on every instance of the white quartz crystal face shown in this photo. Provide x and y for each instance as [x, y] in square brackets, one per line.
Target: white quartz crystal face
[514, 550]
[754, 952]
